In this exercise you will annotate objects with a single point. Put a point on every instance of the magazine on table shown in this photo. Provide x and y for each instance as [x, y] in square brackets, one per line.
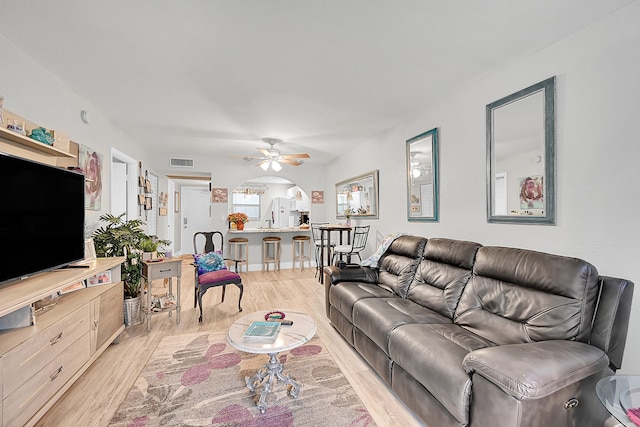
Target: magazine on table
[262, 331]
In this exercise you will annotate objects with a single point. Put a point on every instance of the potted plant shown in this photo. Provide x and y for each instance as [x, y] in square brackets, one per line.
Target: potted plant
[126, 238]
[239, 219]
[150, 245]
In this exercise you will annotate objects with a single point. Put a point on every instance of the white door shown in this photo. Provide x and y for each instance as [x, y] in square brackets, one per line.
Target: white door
[195, 210]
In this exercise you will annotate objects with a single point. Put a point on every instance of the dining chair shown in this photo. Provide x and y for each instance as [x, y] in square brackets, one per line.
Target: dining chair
[358, 243]
[210, 274]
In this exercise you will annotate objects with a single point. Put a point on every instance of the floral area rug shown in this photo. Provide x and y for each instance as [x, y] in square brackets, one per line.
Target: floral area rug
[197, 379]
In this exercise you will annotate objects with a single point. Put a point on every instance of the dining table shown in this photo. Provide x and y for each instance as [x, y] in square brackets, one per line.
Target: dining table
[325, 241]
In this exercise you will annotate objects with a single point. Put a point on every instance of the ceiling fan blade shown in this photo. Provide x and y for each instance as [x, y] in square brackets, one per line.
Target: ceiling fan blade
[264, 151]
[289, 162]
[296, 156]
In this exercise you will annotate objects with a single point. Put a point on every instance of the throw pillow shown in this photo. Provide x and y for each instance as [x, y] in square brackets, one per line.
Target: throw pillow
[210, 261]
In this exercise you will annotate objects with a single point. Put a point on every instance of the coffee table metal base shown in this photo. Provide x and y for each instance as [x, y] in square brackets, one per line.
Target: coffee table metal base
[274, 370]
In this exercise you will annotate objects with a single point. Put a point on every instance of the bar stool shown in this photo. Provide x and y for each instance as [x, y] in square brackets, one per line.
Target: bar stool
[271, 252]
[298, 252]
[238, 254]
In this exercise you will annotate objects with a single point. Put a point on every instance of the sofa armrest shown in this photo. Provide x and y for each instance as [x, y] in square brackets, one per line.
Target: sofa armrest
[535, 370]
[334, 274]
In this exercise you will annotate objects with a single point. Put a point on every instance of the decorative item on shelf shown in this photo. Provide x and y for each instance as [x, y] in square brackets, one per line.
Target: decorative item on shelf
[17, 125]
[41, 134]
[60, 140]
[1, 111]
[239, 219]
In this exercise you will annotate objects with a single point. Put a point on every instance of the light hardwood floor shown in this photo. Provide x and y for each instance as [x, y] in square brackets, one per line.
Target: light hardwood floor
[94, 398]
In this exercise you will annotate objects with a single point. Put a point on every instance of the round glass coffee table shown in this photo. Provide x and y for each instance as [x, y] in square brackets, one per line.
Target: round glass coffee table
[618, 393]
[288, 337]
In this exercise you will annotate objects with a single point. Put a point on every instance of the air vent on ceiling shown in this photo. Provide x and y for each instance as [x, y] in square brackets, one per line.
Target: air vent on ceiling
[181, 163]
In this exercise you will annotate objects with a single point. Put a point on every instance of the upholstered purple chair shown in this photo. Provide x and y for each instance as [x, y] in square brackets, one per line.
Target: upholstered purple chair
[219, 276]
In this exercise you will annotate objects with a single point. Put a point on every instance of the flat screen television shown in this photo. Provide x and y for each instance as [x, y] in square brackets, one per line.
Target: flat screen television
[41, 217]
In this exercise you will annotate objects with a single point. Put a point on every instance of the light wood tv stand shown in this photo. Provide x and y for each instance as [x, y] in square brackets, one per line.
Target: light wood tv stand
[39, 363]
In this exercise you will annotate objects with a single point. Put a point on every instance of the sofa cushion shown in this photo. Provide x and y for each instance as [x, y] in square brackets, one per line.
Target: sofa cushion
[398, 264]
[433, 355]
[518, 296]
[442, 274]
[378, 317]
[344, 295]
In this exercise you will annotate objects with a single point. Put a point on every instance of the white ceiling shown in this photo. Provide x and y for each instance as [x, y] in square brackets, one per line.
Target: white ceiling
[211, 77]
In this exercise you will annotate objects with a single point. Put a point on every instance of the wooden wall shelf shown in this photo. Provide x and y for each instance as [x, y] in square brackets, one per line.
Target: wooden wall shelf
[32, 143]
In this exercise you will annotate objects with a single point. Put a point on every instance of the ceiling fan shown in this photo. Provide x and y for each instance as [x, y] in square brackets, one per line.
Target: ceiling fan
[272, 158]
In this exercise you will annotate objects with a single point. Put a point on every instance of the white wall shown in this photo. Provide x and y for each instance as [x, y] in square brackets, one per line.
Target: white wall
[598, 157]
[34, 93]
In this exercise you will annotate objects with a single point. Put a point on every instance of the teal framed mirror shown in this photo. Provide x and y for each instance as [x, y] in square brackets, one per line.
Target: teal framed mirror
[521, 164]
[422, 177]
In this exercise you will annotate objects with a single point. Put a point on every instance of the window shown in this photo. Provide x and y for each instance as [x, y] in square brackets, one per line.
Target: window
[247, 203]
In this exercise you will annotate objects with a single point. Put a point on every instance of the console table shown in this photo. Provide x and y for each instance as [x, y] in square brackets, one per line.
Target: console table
[166, 268]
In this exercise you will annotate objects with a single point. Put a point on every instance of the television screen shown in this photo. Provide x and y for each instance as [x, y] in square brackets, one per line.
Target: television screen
[41, 217]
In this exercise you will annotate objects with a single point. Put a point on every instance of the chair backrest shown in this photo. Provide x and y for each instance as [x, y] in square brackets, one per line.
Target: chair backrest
[203, 241]
[360, 234]
[315, 230]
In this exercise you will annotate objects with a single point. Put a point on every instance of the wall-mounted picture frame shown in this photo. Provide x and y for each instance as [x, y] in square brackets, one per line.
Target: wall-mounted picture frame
[147, 186]
[141, 199]
[148, 204]
[219, 195]
[317, 197]
[162, 211]
[90, 162]
[141, 181]
[176, 202]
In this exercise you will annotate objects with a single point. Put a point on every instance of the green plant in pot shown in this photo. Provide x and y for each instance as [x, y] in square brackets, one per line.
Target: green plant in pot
[120, 237]
[150, 246]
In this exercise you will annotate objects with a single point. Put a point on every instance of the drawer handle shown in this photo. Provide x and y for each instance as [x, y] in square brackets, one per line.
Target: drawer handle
[164, 271]
[54, 340]
[55, 374]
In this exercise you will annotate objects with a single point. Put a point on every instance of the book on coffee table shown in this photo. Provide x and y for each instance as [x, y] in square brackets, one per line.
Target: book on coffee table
[262, 331]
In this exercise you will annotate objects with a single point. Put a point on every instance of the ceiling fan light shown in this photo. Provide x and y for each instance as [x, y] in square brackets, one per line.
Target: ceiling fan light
[416, 173]
[265, 166]
[276, 166]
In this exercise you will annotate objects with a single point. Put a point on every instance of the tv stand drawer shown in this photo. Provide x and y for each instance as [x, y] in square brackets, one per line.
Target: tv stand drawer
[24, 361]
[19, 406]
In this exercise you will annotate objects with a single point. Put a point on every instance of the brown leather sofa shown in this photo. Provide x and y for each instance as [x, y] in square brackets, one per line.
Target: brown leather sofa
[472, 335]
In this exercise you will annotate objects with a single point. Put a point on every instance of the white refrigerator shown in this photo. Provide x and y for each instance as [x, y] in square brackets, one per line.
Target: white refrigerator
[281, 212]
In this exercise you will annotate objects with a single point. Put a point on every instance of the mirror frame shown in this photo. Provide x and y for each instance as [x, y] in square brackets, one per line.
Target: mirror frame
[547, 87]
[435, 207]
[351, 181]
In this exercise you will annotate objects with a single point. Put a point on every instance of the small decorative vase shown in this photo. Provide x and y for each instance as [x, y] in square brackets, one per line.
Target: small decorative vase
[240, 226]
[234, 226]
[348, 223]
